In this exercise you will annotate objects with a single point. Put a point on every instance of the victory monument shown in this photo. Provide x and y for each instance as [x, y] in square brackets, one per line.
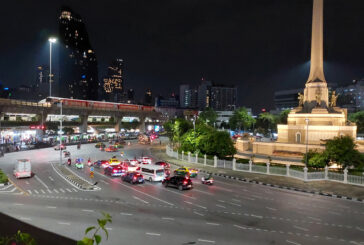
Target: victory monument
[317, 118]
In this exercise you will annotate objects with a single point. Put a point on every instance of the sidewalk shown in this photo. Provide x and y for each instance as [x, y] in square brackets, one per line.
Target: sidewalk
[328, 188]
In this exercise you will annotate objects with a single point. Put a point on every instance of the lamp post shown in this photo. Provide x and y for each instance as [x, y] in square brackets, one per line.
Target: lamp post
[307, 120]
[51, 40]
[60, 135]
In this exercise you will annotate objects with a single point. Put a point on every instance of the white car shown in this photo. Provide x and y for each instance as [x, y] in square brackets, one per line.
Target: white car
[145, 160]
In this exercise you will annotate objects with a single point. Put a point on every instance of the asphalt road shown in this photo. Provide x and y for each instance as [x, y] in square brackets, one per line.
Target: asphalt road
[228, 212]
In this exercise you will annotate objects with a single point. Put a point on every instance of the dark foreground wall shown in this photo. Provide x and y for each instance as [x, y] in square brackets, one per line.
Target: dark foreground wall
[9, 226]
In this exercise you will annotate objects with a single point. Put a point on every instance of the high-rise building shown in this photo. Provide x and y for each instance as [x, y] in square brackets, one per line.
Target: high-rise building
[188, 97]
[204, 94]
[223, 98]
[42, 81]
[148, 98]
[113, 82]
[78, 75]
[351, 96]
[130, 95]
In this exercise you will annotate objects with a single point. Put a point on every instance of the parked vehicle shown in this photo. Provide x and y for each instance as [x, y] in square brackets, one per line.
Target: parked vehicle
[180, 182]
[152, 172]
[22, 169]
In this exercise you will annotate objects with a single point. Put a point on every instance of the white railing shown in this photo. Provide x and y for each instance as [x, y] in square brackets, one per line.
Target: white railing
[267, 169]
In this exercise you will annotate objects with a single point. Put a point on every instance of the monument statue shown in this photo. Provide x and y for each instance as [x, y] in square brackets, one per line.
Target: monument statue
[318, 99]
[300, 99]
[333, 99]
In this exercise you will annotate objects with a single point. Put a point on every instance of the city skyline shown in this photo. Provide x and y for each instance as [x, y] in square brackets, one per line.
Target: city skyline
[217, 45]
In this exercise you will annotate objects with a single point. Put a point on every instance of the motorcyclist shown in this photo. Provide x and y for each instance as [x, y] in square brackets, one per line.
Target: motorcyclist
[208, 177]
[69, 161]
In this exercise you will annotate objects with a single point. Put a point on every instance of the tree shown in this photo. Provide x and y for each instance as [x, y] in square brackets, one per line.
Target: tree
[282, 118]
[267, 122]
[218, 143]
[358, 118]
[208, 116]
[168, 127]
[180, 127]
[342, 150]
[316, 159]
[241, 119]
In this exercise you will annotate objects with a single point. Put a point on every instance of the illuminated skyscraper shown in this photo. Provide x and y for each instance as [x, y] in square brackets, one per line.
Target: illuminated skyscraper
[113, 82]
[78, 76]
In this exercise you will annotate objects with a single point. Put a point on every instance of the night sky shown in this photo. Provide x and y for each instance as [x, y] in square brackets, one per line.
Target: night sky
[258, 45]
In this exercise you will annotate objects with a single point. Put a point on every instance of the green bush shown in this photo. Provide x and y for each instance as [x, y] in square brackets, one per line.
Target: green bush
[3, 177]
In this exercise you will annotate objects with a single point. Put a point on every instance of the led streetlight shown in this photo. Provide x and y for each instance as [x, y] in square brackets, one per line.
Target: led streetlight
[51, 40]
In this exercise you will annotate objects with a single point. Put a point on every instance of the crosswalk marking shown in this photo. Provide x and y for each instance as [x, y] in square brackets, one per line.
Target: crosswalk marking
[49, 191]
[42, 191]
[55, 190]
[61, 190]
[30, 192]
[36, 191]
[68, 190]
[74, 189]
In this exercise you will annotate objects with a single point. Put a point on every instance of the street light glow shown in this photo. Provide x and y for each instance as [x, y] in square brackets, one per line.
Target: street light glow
[52, 39]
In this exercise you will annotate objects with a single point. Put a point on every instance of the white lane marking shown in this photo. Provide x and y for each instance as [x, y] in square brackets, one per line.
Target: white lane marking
[51, 207]
[137, 190]
[103, 181]
[42, 191]
[203, 240]
[240, 227]
[61, 190]
[216, 224]
[152, 234]
[50, 178]
[55, 191]
[74, 189]
[195, 205]
[25, 218]
[314, 218]
[300, 228]
[128, 214]
[360, 229]
[236, 200]
[18, 204]
[198, 213]
[220, 206]
[64, 223]
[221, 200]
[291, 242]
[167, 218]
[203, 192]
[137, 198]
[36, 191]
[88, 210]
[68, 190]
[235, 204]
[256, 216]
[30, 192]
[27, 182]
[41, 181]
[178, 193]
[248, 198]
[273, 209]
[49, 191]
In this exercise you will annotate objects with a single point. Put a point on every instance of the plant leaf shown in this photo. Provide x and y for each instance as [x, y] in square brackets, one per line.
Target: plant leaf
[97, 239]
[89, 229]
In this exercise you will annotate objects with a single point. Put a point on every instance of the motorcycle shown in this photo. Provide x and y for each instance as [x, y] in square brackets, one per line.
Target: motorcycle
[207, 180]
[89, 162]
[67, 153]
[69, 161]
[78, 146]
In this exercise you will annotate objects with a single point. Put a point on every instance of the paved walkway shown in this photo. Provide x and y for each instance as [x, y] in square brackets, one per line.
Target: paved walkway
[329, 187]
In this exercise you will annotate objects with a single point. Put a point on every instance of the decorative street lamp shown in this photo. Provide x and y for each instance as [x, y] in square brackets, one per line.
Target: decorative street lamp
[51, 40]
[307, 120]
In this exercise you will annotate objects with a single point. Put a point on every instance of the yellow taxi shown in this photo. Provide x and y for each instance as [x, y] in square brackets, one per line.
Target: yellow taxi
[184, 170]
[114, 161]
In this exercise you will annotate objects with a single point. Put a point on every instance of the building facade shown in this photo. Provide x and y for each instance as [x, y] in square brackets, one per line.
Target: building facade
[223, 98]
[78, 75]
[188, 96]
[351, 96]
[113, 82]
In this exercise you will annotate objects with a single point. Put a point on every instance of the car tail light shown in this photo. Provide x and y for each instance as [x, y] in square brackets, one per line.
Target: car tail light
[114, 171]
[185, 182]
[134, 178]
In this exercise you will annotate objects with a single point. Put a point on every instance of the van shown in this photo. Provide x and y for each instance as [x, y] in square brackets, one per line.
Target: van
[22, 169]
[152, 172]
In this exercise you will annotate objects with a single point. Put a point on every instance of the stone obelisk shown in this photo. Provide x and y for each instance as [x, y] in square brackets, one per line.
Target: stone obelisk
[316, 92]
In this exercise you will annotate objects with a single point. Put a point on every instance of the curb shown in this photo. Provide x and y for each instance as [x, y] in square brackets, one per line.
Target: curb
[278, 186]
[79, 186]
[4, 184]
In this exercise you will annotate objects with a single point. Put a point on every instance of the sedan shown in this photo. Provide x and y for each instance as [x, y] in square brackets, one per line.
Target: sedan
[114, 171]
[133, 178]
[101, 164]
[180, 182]
[111, 149]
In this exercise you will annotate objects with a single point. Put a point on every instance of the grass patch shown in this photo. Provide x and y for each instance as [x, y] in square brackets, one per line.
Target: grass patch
[3, 177]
